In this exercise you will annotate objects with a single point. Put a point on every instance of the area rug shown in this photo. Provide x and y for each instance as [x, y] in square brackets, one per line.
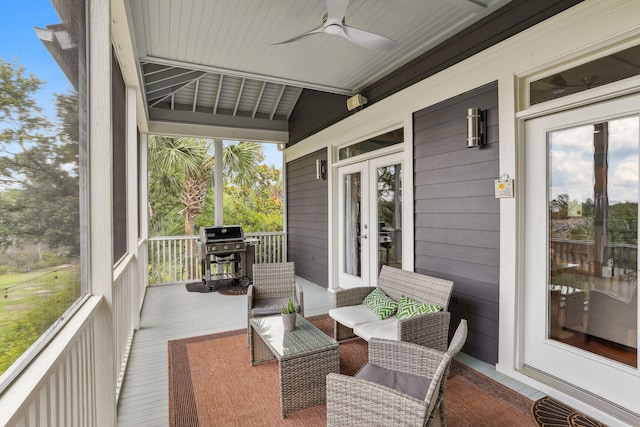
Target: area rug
[226, 289]
[211, 383]
[548, 412]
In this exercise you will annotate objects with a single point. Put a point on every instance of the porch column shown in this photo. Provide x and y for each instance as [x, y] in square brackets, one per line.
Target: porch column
[218, 183]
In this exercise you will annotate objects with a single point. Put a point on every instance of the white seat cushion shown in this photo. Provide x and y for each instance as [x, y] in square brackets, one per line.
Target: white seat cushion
[353, 315]
[387, 328]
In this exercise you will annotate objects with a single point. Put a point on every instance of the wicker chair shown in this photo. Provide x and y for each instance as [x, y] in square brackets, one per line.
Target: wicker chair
[356, 401]
[273, 284]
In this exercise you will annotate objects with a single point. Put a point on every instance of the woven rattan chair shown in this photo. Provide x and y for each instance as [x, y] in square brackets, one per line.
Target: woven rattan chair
[355, 401]
[273, 284]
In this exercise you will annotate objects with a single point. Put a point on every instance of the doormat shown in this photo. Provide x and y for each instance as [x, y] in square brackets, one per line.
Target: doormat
[549, 412]
[221, 289]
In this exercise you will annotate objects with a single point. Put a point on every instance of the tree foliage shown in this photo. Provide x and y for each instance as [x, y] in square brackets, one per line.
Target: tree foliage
[621, 221]
[38, 165]
[181, 195]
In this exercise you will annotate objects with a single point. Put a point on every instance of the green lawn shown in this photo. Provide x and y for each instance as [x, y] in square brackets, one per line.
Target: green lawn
[30, 303]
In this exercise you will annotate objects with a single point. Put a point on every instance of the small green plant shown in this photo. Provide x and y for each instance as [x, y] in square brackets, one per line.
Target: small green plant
[289, 306]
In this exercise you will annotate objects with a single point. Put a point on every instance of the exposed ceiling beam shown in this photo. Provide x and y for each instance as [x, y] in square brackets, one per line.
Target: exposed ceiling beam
[161, 97]
[185, 115]
[155, 69]
[211, 131]
[239, 97]
[254, 76]
[259, 98]
[195, 94]
[276, 102]
[170, 83]
[215, 104]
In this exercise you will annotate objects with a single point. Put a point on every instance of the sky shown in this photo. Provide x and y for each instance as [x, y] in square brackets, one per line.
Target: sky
[20, 44]
[272, 155]
[571, 161]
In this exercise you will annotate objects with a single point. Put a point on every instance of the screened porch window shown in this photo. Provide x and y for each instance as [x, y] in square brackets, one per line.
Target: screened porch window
[43, 167]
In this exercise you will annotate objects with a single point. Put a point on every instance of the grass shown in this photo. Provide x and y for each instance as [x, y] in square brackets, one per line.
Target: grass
[30, 303]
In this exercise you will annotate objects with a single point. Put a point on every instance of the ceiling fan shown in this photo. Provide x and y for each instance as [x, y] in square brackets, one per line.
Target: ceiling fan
[333, 24]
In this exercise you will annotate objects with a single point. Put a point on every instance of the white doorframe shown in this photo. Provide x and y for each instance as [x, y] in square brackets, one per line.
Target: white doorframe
[610, 380]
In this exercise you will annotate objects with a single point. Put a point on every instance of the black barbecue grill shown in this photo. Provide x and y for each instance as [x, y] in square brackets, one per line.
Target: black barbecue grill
[226, 256]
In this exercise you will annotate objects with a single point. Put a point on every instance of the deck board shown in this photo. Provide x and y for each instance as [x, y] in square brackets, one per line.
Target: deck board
[170, 312]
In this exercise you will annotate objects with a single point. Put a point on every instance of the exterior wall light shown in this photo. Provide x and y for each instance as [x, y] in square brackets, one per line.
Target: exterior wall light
[321, 169]
[476, 127]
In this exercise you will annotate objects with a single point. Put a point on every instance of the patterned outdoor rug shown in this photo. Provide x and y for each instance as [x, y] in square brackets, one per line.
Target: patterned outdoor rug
[211, 383]
[230, 289]
[548, 412]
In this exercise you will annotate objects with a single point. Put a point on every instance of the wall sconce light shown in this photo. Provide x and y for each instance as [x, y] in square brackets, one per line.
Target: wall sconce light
[321, 169]
[476, 127]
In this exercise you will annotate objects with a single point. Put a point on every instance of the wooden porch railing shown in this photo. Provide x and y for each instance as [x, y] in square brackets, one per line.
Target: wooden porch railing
[583, 253]
[175, 258]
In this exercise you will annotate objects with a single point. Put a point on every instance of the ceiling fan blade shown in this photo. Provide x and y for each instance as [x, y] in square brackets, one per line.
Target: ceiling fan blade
[320, 29]
[368, 39]
[336, 11]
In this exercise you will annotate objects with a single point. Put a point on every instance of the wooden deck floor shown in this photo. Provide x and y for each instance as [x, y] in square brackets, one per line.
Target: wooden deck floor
[170, 312]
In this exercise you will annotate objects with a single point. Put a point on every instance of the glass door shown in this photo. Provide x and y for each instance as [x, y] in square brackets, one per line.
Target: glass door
[386, 188]
[353, 226]
[370, 222]
[581, 248]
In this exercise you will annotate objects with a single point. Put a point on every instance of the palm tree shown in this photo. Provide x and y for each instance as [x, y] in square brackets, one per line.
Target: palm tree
[241, 161]
[186, 165]
[183, 164]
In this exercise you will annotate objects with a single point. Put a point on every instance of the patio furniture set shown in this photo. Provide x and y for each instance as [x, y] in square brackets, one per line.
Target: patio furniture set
[404, 380]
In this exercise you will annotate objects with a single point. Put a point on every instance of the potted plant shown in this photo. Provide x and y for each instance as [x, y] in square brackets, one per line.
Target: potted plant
[289, 314]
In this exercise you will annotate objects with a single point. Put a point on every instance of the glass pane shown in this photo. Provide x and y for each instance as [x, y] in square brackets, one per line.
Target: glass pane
[43, 157]
[389, 187]
[608, 69]
[593, 234]
[352, 215]
[388, 139]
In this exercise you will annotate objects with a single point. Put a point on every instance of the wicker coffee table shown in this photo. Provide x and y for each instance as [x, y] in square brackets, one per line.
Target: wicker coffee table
[305, 356]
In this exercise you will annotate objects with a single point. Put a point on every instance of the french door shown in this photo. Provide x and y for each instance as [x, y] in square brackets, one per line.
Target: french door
[370, 219]
[581, 248]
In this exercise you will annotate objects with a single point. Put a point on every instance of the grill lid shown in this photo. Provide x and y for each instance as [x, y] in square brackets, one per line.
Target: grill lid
[225, 233]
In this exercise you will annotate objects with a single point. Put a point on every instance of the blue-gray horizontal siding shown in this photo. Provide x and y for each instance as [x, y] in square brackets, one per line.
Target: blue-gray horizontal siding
[307, 219]
[457, 217]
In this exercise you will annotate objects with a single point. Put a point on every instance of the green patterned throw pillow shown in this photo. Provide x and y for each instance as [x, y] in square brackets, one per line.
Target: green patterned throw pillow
[380, 304]
[373, 295]
[409, 307]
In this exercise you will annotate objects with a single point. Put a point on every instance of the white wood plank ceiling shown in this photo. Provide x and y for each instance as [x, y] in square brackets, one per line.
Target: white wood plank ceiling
[213, 61]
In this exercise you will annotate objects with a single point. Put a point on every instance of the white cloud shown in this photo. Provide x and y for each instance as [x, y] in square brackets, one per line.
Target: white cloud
[572, 164]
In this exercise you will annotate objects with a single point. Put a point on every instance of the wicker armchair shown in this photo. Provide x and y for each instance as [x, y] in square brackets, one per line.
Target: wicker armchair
[412, 368]
[273, 284]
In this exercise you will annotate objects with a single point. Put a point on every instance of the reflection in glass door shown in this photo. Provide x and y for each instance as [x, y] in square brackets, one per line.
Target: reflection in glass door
[352, 214]
[593, 237]
[389, 215]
